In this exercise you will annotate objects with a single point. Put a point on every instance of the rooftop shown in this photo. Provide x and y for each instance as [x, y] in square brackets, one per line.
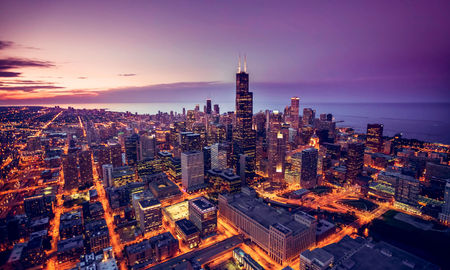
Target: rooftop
[146, 203]
[177, 211]
[186, 226]
[265, 215]
[202, 204]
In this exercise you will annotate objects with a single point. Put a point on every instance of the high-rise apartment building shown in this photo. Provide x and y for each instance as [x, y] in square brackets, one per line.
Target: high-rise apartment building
[192, 170]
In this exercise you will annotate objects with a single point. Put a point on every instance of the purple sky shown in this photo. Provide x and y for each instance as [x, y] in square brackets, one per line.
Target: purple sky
[151, 51]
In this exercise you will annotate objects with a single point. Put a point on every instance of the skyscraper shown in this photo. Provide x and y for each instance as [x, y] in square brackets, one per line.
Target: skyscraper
[355, 161]
[208, 106]
[219, 156]
[374, 140]
[216, 109]
[305, 164]
[295, 104]
[132, 149]
[192, 170]
[244, 141]
[308, 116]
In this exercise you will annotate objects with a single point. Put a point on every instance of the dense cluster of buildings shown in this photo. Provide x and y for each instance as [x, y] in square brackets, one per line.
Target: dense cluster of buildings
[160, 182]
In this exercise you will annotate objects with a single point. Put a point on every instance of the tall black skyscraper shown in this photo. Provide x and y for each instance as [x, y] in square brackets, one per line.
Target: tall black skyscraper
[132, 149]
[244, 142]
[355, 161]
[208, 106]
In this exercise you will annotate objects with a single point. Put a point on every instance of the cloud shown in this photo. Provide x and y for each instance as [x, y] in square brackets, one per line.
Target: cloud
[82, 78]
[10, 63]
[20, 82]
[9, 74]
[13, 63]
[5, 44]
[29, 88]
[127, 74]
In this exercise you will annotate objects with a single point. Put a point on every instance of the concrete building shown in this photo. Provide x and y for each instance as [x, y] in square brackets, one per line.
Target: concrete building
[281, 234]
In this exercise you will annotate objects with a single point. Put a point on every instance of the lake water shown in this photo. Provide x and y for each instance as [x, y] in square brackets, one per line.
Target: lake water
[423, 121]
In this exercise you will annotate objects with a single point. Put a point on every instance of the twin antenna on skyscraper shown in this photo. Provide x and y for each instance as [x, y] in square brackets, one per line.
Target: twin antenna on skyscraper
[245, 63]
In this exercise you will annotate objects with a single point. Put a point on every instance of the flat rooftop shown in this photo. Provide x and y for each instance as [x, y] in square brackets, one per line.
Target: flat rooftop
[149, 203]
[203, 204]
[186, 226]
[265, 215]
[177, 211]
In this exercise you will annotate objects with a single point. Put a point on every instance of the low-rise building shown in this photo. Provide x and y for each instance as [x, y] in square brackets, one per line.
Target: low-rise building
[282, 235]
[187, 231]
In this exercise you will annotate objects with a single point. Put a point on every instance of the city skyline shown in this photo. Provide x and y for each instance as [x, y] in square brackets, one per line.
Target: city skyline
[126, 144]
[158, 52]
